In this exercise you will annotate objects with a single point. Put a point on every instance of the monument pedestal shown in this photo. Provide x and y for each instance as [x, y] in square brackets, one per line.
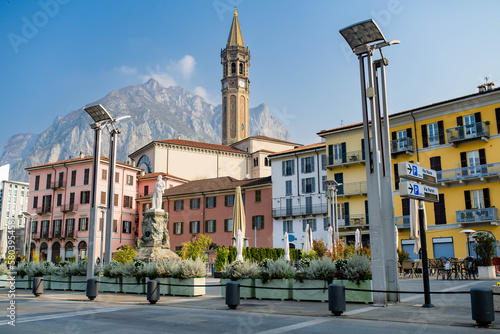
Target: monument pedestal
[155, 241]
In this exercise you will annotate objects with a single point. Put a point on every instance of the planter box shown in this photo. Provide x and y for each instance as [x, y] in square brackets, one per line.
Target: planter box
[3, 281]
[130, 285]
[496, 299]
[47, 284]
[79, 283]
[63, 282]
[24, 285]
[164, 289]
[262, 293]
[110, 284]
[486, 272]
[357, 296]
[188, 290]
[320, 295]
[245, 293]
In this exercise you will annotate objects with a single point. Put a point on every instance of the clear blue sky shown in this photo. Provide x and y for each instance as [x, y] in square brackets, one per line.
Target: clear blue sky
[58, 55]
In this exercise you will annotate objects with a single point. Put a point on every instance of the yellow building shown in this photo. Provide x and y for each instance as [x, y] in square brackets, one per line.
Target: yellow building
[460, 139]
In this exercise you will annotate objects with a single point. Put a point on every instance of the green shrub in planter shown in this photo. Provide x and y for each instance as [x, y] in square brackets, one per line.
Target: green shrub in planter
[313, 274]
[188, 272]
[163, 274]
[243, 271]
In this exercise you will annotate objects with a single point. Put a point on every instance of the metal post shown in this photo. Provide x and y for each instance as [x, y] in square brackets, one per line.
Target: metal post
[29, 239]
[332, 219]
[102, 238]
[425, 267]
[93, 201]
[111, 199]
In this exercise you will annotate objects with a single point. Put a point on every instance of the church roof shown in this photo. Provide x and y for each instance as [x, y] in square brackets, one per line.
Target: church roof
[235, 37]
[199, 144]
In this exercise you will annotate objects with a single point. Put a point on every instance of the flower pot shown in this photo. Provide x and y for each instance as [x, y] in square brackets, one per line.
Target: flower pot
[357, 296]
[180, 290]
[47, 282]
[110, 284]
[486, 272]
[164, 289]
[321, 294]
[3, 281]
[245, 293]
[60, 282]
[262, 293]
[130, 285]
[78, 283]
[24, 282]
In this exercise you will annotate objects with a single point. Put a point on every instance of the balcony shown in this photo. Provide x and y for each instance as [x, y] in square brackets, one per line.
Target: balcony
[45, 234]
[353, 221]
[480, 172]
[44, 210]
[70, 233]
[352, 189]
[403, 222]
[300, 210]
[61, 184]
[69, 207]
[56, 234]
[404, 145]
[480, 130]
[350, 158]
[475, 216]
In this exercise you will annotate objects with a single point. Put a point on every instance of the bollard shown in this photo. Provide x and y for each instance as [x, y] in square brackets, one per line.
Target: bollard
[37, 286]
[92, 288]
[232, 294]
[153, 291]
[336, 298]
[483, 310]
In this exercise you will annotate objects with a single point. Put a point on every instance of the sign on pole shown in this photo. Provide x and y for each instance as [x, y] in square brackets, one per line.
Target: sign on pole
[418, 173]
[418, 191]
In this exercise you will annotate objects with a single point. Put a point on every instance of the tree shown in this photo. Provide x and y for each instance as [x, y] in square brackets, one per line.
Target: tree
[196, 249]
[125, 254]
[485, 248]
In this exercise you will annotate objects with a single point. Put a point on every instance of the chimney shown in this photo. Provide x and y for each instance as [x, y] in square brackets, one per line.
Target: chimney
[482, 88]
[132, 162]
[490, 86]
[81, 155]
[143, 172]
[178, 137]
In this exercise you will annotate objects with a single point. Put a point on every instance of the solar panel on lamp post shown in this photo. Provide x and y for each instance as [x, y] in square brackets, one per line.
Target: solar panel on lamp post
[365, 38]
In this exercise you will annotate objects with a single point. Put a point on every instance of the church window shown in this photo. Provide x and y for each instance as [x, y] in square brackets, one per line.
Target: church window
[233, 68]
[255, 162]
[241, 68]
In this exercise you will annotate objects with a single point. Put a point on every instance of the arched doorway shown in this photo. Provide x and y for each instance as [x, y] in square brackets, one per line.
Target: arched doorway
[82, 250]
[43, 252]
[68, 251]
[56, 251]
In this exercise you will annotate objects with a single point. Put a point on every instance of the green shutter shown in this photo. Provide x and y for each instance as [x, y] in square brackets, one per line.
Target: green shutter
[225, 225]
[191, 227]
[182, 227]
[253, 222]
[206, 226]
[226, 200]
[215, 226]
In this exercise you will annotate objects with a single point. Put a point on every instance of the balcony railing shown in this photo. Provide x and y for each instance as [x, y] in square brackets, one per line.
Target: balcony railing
[61, 184]
[300, 210]
[56, 234]
[467, 173]
[353, 188]
[403, 145]
[477, 215]
[403, 221]
[45, 209]
[45, 234]
[479, 130]
[70, 233]
[69, 207]
[350, 158]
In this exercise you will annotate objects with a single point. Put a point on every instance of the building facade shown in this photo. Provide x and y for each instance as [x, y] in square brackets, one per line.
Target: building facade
[299, 194]
[59, 202]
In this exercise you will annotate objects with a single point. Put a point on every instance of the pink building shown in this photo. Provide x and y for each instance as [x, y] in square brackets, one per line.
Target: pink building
[206, 207]
[59, 200]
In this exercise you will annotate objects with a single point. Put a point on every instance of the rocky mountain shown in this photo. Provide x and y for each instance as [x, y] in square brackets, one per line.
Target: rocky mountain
[156, 113]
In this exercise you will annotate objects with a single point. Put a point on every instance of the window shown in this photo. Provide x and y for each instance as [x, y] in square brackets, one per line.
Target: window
[103, 197]
[86, 176]
[288, 226]
[37, 182]
[323, 162]
[34, 226]
[35, 202]
[477, 199]
[73, 178]
[127, 202]
[241, 68]
[117, 177]
[311, 222]
[288, 167]
[228, 225]
[178, 228]
[308, 185]
[473, 162]
[104, 174]
[255, 162]
[257, 222]
[307, 165]
[85, 197]
[49, 181]
[194, 227]
[258, 196]
[56, 232]
[47, 201]
[233, 68]
[83, 224]
[288, 188]
[210, 226]
[470, 126]
[402, 143]
[323, 179]
[267, 162]
[71, 198]
[115, 225]
[309, 207]
[130, 180]
[127, 227]
[229, 200]
[326, 223]
[194, 203]
[179, 205]
[60, 180]
[211, 202]
[70, 228]
[115, 199]
[288, 206]
[339, 153]
[146, 190]
[59, 200]
[433, 133]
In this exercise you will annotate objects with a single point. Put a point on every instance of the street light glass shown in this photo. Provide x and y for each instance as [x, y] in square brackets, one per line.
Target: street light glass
[362, 33]
[98, 113]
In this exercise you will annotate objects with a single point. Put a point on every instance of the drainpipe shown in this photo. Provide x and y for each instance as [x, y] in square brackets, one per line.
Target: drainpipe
[416, 137]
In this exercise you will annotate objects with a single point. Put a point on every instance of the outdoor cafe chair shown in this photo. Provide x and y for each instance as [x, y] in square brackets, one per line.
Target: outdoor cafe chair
[407, 267]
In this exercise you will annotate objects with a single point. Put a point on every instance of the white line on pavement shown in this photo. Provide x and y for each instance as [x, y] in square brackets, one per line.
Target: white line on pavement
[296, 326]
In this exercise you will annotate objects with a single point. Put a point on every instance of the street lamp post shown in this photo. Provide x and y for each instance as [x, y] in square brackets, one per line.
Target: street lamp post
[27, 234]
[103, 211]
[365, 38]
[467, 233]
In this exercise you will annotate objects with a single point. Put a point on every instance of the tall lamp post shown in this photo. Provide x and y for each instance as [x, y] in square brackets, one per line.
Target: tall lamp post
[467, 233]
[331, 187]
[365, 38]
[27, 234]
[103, 211]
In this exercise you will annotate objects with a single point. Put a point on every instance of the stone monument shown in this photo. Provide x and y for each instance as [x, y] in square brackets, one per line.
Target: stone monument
[155, 241]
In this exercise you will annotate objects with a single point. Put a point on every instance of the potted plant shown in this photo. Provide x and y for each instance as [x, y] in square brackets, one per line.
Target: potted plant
[244, 272]
[49, 269]
[274, 274]
[163, 273]
[61, 277]
[23, 280]
[133, 277]
[485, 250]
[188, 278]
[78, 274]
[110, 280]
[313, 274]
[355, 273]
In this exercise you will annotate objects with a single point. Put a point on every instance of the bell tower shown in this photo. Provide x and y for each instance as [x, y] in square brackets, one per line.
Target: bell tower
[235, 60]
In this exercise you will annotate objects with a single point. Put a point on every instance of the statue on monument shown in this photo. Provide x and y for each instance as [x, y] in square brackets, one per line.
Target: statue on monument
[157, 196]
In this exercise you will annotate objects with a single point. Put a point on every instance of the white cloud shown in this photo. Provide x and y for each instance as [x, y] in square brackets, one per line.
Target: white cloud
[127, 70]
[185, 66]
[200, 91]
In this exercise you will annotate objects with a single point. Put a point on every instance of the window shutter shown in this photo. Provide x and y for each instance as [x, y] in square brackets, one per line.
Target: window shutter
[344, 153]
[366, 212]
[182, 227]
[253, 222]
[405, 204]
[346, 212]
[304, 225]
[206, 226]
[460, 121]
[486, 196]
[497, 114]
[302, 165]
[408, 133]
[191, 204]
[363, 148]
[225, 200]
[441, 132]
[81, 197]
[283, 168]
[477, 117]
[284, 226]
[262, 223]
[396, 177]
[190, 227]
[225, 225]
[313, 185]
[468, 204]
[394, 135]
[463, 159]
[482, 156]
[303, 186]
[293, 167]
[312, 164]
[330, 148]
[425, 139]
[314, 227]
[435, 163]
[215, 201]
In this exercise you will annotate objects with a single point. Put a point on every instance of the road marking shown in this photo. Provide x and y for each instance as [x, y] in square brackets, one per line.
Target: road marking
[296, 326]
[62, 315]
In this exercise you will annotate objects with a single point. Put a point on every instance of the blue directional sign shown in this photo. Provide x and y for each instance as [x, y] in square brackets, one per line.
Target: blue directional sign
[417, 173]
[419, 191]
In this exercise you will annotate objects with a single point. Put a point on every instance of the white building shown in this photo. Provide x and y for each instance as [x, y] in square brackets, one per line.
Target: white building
[299, 194]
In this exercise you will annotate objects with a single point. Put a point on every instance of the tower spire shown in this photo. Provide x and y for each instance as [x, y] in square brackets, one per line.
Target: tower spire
[235, 37]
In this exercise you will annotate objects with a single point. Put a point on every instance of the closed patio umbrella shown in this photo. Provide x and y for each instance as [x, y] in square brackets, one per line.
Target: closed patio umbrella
[329, 239]
[286, 247]
[357, 239]
[308, 243]
[239, 221]
[415, 225]
[239, 246]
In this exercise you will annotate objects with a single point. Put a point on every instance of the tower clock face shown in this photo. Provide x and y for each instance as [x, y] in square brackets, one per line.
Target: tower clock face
[242, 83]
